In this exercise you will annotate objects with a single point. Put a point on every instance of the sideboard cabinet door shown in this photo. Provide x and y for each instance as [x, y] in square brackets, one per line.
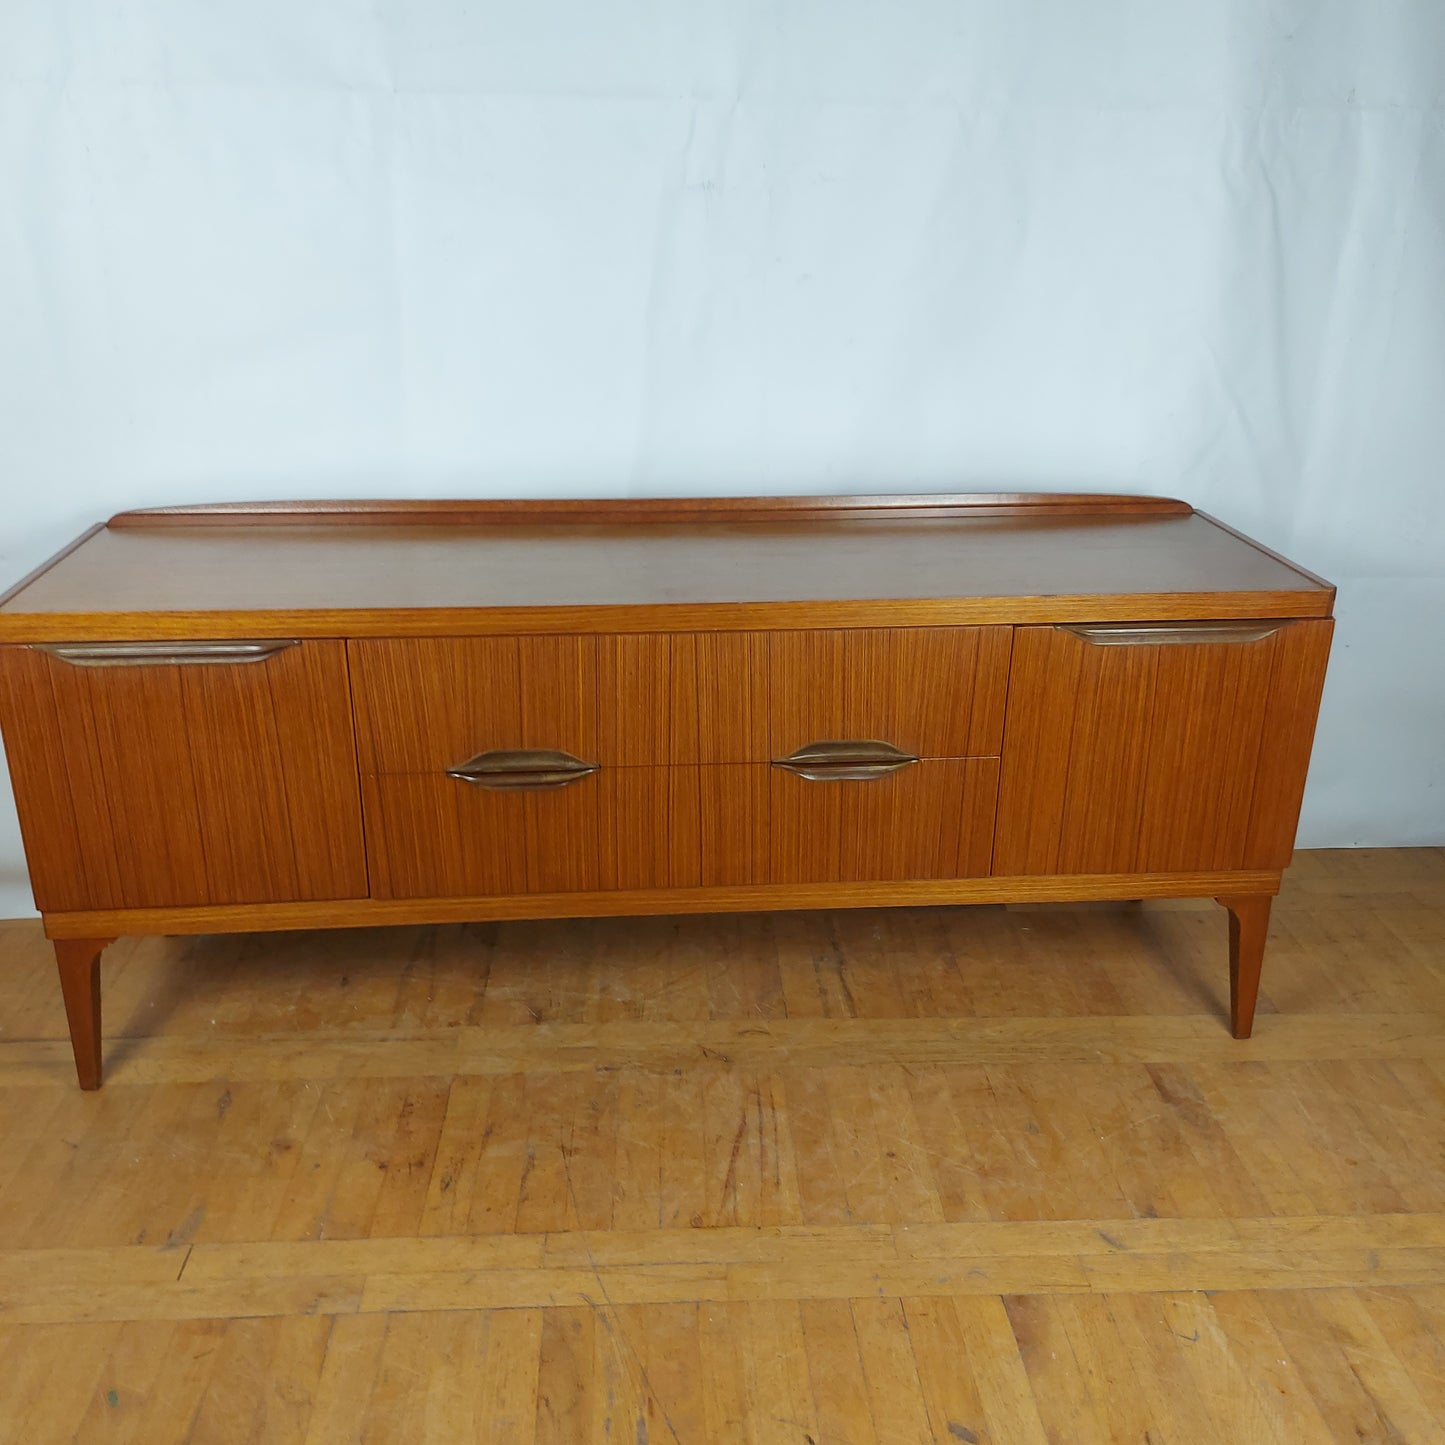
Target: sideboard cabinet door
[1159, 748]
[151, 777]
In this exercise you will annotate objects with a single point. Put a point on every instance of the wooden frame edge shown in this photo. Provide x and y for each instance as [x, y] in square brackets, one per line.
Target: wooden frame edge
[663, 617]
[742, 898]
[633, 510]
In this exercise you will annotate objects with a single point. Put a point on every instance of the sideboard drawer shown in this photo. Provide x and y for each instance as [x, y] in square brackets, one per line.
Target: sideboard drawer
[434, 836]
[424, 704]
[715, 825]
[652, 699]
[156, 775]
[931, 820]
[937, 692]
[636, 700]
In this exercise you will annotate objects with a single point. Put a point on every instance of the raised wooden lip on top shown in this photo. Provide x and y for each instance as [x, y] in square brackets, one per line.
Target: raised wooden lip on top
[637, 510]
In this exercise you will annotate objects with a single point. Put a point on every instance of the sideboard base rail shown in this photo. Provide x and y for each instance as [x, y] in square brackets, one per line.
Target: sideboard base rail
[639, 902]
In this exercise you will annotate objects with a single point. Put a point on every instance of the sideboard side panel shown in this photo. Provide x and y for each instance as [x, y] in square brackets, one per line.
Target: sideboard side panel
[1284, 759]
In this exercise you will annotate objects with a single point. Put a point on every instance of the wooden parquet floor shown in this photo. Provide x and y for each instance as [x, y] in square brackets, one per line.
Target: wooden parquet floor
[881, 1176]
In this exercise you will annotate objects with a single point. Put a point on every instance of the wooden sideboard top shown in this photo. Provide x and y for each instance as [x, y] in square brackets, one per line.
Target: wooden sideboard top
[395, 568]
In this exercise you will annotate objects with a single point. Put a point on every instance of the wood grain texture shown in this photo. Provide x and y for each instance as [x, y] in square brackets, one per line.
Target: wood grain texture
[649, 828]
[631, 829]
[649, 707]
[328, 622]
[722, 898]
[735, 824]
[1040, 1257]
[397, 580]
[934, 692]
[932, 820]
[428, 834]
[870, 1176]
[157, 786]
[644, 700]
[732, 691]
[1291, 711]
[1156, 757]
[501, 1057]
[668, 828]
[424, 705]
[627, 700]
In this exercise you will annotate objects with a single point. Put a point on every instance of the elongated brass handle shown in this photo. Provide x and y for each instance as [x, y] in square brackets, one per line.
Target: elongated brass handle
[522, 769]
[163, 654]
[836, 762]
[1169, 634]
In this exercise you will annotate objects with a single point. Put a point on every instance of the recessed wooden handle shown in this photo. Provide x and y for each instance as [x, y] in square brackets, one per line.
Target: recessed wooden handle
[835, 762]
[163, 654]
[1168, 634]
[522, 769]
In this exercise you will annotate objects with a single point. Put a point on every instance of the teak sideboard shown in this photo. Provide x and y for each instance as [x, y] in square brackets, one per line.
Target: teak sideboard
[292, 715]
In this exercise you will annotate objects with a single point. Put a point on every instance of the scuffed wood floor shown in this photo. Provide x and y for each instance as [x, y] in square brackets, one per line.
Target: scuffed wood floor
[956, 1175]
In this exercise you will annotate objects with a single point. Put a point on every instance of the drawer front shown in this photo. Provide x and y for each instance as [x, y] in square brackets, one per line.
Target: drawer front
[937, 692]
[678, 827]
[933, 819]
[199, 773]
[425, 704]
[1157, 749]
[436, 837]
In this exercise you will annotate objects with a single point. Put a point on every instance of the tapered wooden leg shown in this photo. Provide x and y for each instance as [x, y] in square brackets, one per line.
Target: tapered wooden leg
[1248, 925]
[79, 960]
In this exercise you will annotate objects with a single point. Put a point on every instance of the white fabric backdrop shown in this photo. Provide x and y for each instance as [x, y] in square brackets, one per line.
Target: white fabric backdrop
[429, 247]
